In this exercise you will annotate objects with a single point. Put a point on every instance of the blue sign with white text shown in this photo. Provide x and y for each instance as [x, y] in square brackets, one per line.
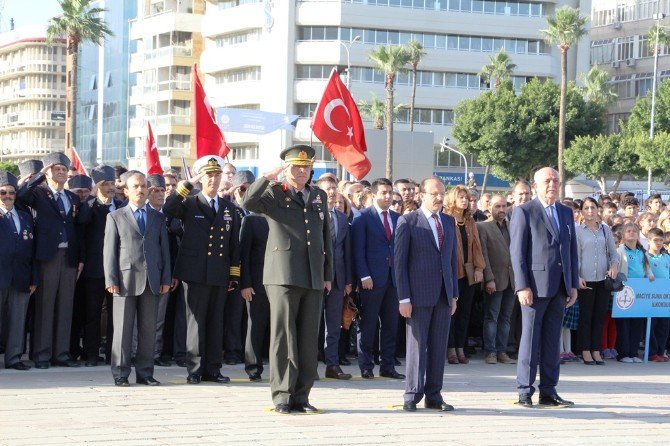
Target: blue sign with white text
[642, 298]
[256, 122]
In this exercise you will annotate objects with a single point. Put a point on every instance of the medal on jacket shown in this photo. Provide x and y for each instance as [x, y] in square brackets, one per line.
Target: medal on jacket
[317, 200]
[25, 234]
[227, 218]
[321, 215]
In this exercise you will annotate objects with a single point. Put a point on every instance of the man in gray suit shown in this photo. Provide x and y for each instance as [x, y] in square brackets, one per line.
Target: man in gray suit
[137, 270]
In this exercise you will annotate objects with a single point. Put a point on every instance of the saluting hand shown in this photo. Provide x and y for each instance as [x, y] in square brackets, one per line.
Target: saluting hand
[273, 175]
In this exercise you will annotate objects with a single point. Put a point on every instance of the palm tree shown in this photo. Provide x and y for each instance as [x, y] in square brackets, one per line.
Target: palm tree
[499, 69]
[663, 38]
[390, 59]
[416, 55]
[566, 28]
[78, 24]
[376, 110]
[597, 88]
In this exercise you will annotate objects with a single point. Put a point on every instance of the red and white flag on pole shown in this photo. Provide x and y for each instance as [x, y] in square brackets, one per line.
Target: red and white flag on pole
[151, 154]
[209, 139]
[338, 125]
[77, 164]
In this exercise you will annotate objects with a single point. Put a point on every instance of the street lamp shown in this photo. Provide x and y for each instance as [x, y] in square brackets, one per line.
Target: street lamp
[658, 17]
[444, 145]
[347, 48]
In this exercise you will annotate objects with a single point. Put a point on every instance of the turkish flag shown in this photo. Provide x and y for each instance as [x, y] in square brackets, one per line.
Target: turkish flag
[77, 164]
[209, 139]
[337, 123]
[151, 154]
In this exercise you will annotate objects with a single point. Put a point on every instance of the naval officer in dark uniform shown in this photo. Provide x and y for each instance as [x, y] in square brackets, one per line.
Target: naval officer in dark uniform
[298, 267]
[212, 226]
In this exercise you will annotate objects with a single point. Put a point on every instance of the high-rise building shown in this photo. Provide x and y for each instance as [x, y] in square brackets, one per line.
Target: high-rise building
[103, 84]
[167, 41]
[620, 46]
[32, 94]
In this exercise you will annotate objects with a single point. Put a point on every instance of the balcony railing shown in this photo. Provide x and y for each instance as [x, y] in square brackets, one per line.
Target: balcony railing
[166, 51]
[173, 85]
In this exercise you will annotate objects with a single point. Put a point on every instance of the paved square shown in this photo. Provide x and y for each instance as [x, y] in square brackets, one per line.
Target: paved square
[615, 404]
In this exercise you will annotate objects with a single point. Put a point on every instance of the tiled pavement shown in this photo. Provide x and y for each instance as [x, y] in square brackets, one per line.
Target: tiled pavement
[616, 404]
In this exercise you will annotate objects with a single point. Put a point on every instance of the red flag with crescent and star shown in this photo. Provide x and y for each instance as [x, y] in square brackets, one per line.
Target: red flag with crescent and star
[151, 156]
[77, 164]
[209, 139]
[338, 125]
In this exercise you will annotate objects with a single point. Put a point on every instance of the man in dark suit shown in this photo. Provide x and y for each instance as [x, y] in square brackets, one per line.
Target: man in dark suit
[372, 241]
[208, 264]
[342, 280]
[546, 273]
[59, 254]
[93, 275]
[427, 276]
[137, 270]
[18, 273]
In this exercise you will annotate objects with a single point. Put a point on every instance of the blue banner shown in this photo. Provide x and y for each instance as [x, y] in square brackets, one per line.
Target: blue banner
[253, 121]
[642, 298]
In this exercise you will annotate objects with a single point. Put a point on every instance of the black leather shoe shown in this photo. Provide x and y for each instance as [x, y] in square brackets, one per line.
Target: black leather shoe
[256, 376]
[555, 401]
[42, 365]
[148, 381]
[181, 363]
[344, 361]
[91, 363]
[391, 374]
[409, 407]
[303, 407]
[193, 379]
[439, 405]
[218, 378]
[367, 374]
[160, 363]
[525, 401]
[66, 363]
[121, 382]
[18, 366]
[282, 408]
[335, 372]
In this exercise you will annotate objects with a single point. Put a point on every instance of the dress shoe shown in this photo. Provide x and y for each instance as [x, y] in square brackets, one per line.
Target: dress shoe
[589, 362]
[439, 405]
[181, 363]
[121, 382]
[367, 374]
[505, 359]
[42, 365]
[161, 363]
[409, 406]
[66, 363]
[554, 400]
[453, 359]
[525, 401]
[91, 363]
[218, 378]
[600, 362]
[344, 361]
[303, 408]
[18, 366]
[193, 378]
[335, 372]
[462, 359]
[282, 408]
[256, 376]
[391, 374]
[148, 381]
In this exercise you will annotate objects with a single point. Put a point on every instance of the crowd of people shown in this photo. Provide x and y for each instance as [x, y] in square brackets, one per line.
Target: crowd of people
[136, 270]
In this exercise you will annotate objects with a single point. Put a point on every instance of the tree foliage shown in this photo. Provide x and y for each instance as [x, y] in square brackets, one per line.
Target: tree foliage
[597, 87]
[10, 167]
[499, 68]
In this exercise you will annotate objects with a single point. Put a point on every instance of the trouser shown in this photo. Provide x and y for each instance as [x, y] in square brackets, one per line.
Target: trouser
[294, 328]
[629, 333]
[233, 326]
[78, 320]
[126, 311]
[95, 293]
[497, 312]
[174, 333]
[658, 338]
[592, 310]
[204, 327]
[257, 326]
[378, 305]
[15, 304]
[609, 332]
[161, 309]
[53, 308]
[333, 325]
[458, 332]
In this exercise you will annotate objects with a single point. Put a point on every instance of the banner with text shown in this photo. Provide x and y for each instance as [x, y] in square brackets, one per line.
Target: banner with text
[642, 298]
[242, 120]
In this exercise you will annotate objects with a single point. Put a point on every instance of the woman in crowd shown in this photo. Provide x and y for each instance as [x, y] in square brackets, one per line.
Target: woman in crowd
[409, 206]
[471, 266]
[396, 204]
[598, 258]
[634, 265]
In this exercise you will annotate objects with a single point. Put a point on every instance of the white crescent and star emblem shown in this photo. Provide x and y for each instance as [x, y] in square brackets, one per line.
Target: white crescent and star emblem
[332, 105]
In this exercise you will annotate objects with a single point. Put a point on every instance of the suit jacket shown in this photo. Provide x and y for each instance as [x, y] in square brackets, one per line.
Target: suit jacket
[94, 237]
[19, 270]
[371, 249]
[50, 224]
[495, 250]
[253, 238]
[209, 253]
[131, 259]
[421, 268]
[342, 260]
[299, 249]
[540, 257]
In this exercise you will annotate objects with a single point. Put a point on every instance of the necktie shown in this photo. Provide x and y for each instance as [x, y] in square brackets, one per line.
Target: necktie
[61, 208]
[552, 218]
[301, 198]
[213, 205]
[387, 226]
[10, 217]
[440, 234]
[331, 224]
[140, 220]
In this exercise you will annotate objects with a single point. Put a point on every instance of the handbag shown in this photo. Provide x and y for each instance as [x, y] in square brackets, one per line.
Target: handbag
[349, 311]
[616, 284]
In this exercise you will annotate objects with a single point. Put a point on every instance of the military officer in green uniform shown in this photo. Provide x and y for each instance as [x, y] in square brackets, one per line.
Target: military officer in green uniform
[298, 267]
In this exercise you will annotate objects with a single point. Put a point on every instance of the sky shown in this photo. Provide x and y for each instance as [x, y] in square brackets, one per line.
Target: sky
[27, 12]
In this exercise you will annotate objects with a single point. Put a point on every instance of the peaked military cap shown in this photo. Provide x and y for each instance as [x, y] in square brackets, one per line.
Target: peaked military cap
[30, 166]
[155, 180]
[300, 155]
[208, 164]
[242, 177]
[80, 182]
[8, 179]
[56, 158]
[102, 173]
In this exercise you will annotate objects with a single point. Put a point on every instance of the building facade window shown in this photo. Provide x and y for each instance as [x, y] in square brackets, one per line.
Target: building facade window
[225, 4]
[602, 51]
[244, 152]
[237, 38]
[499, 7]
[238, 75]
[628, 11]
